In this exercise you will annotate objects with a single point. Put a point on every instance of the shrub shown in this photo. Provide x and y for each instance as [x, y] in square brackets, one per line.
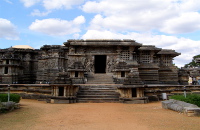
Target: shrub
[13, 97]
[190, 98]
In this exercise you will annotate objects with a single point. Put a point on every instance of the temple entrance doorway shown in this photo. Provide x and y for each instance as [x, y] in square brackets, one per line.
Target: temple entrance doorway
[134, 92]
[100, 64]
[60, 91]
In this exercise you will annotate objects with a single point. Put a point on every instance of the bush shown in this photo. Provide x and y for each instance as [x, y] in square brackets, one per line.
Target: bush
[190, 98]
[13, 97]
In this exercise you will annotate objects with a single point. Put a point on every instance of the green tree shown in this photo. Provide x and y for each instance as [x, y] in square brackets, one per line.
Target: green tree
[193, 63]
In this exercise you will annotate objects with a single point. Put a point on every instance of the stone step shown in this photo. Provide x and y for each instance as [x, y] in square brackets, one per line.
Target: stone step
[97, 92]
[98, 96]
[97, 100]
[99, 85]
[100, 79]
[97, 89]
[101, 82]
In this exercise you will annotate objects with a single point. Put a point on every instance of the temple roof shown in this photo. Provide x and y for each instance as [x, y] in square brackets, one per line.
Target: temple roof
[149, 47]
[102, 42]
[23, 47]
[168, 52]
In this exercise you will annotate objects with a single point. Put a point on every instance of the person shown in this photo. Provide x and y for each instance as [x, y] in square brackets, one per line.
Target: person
[190, 80]
[194, 82]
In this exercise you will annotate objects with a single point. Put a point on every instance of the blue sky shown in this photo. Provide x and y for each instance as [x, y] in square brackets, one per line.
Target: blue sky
[169, 24]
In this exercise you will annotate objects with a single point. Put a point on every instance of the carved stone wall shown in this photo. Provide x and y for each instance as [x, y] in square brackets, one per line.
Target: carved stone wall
[111, 62]
[51, 63]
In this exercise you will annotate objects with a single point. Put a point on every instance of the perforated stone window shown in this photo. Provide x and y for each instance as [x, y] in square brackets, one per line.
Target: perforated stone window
[135, 57]
[125, 55]
[145, 57]
[167, 60]
[156, 60]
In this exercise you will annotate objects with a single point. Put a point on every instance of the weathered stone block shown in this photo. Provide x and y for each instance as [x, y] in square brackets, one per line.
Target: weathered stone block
[183, 107]
[60, 101]
[135, 102]
[189, 111]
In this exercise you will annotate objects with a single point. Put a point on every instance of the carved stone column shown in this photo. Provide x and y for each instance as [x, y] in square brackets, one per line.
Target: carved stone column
[131, 49]
[118, 53]
[65, 91]
[57, 91]
[151, 56]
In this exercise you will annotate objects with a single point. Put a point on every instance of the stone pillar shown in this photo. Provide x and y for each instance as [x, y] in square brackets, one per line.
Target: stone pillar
[151, 56]
[118, 53]
[53, 91]
[131, 49]
[57, 91]
[139, 92]
[140, 57]
[161, 60]
[65, 91]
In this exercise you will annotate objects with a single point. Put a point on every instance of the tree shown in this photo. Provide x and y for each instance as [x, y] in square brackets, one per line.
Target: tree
[193, 62]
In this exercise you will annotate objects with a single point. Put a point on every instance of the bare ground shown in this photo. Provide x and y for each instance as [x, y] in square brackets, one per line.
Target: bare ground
[36, 115]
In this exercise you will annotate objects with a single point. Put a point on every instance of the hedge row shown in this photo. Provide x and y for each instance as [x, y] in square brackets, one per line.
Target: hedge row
[13, 97]
[190, 98]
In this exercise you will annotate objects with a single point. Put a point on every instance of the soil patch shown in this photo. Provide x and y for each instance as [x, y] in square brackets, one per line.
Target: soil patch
[36, 115]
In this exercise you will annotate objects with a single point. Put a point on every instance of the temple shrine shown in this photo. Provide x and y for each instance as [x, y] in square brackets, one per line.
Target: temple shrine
[91, 70]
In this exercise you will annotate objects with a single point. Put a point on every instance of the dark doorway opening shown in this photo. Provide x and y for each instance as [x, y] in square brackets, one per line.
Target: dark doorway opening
[122, 73]
[134, 92]
[76, 74]
[6, 70]
[61, 91]
[7, 61]
[100, 64]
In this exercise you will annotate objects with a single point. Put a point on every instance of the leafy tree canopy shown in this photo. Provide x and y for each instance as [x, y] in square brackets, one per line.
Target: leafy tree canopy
[193, 62]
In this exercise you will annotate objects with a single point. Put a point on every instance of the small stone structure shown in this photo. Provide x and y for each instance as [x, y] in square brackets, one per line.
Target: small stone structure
[182, 107]
[132, 91]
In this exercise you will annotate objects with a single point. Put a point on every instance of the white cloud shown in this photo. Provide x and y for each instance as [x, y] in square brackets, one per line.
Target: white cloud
[76, 36]
[53, 4]
[79, 20]
[187, 47]
[57, 27]
[60, 4]
[29, 3]
[50, 5]
[8, 30]
[187, 22]
[146, 38]
[170, 16]
[36, 12]
[8, 1]
[190, 5]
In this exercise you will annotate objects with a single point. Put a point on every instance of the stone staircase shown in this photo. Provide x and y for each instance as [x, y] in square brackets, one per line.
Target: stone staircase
[97, 94]
[100, 79]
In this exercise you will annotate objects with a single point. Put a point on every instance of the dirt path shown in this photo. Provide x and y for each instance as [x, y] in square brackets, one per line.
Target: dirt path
[36, 115]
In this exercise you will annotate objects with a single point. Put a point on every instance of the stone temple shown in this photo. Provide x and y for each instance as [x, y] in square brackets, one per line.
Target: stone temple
[91, 70]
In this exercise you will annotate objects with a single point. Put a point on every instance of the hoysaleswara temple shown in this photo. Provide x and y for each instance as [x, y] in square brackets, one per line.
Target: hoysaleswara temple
[93, 70]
